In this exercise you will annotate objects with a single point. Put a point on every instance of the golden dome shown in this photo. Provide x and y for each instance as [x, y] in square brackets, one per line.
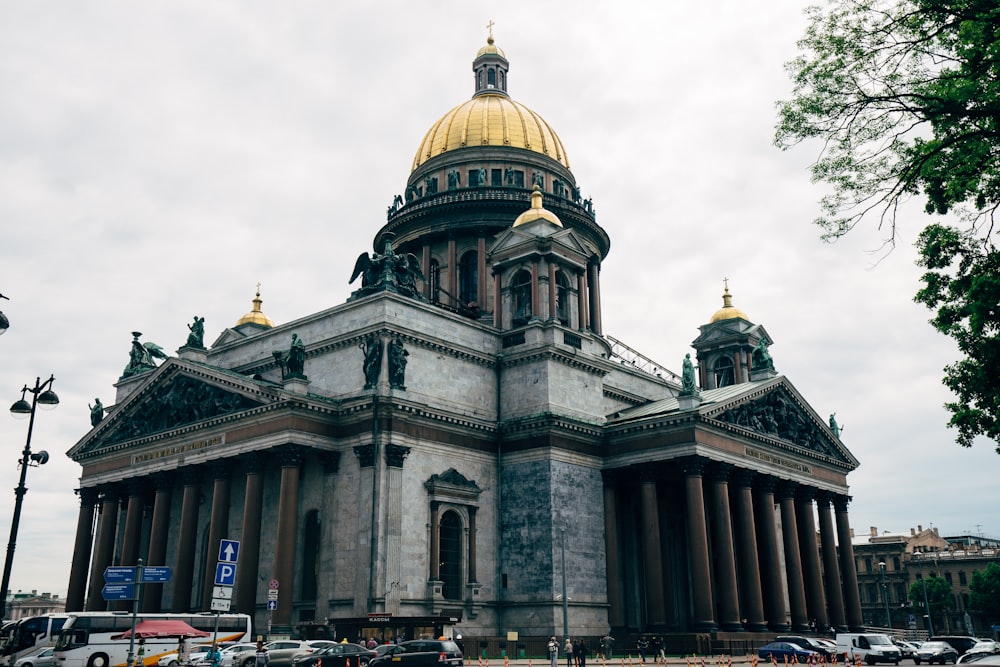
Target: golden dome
[491, 120]
[536, 212]
[728, 312]
[256, 316]
[491, 49]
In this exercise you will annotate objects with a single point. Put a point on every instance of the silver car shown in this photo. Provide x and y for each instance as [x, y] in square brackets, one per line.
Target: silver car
[43, 658]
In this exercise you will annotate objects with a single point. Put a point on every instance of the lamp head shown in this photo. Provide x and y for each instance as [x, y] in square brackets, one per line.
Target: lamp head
[48, 399]
[4, 323]
[40, 458]
[21, 408]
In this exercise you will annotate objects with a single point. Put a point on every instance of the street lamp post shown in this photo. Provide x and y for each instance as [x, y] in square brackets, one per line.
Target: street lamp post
[4, 322]
[565, 602]
[927, 606]
[41, 394]
[885, 595]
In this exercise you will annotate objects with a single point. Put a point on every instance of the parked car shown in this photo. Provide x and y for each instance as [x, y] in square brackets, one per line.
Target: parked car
[981, 648]
[234, 655]
[781, 650]
[982, 659]
[809, 643]
[195, 654]
[940, 652]
[338, 655]
[421, 653]
[906, 649]
[281, 652]
[872, 647]
[960, 643]
[43, 658]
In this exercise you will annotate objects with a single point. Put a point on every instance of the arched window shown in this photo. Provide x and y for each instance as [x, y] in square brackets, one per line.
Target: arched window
[468, 278]
[451, 556]
[723, 370]
[521, 297]
[491, 77]
[434, 279]
[310, 555]
[562, 298]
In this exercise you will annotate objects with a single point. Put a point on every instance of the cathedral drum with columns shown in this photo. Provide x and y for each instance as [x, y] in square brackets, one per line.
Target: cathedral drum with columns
[460, 438]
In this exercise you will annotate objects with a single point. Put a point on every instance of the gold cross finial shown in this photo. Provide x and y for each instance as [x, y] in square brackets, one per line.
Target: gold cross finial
[258, 288]
[489, 26]
[725, 282]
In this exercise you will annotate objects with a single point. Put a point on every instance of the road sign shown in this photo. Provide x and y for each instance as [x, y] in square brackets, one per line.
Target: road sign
[156, 575]
[223, 592]
[220, 605]
[119, 575]
[229, 551]
[225, 574]
[272, 605]
[273, 585]
[118, 591]
[272, 595]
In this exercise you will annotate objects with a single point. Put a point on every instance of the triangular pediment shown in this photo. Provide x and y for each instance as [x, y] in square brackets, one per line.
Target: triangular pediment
[728, 330]
[179, 394]
[780, 413]
[528, 237]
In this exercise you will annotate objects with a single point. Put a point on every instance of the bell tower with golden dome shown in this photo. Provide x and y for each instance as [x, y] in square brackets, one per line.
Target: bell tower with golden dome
[726, 344]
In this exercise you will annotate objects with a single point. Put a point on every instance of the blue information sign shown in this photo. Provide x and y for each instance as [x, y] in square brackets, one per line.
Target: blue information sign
[118, 592]
[119, 575]
[156, 575]
[229, 551]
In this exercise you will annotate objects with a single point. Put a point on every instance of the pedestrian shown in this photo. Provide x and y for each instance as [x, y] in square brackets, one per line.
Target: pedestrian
[553, 651]
[141, 657]
[568, 650]
[580, 652]
[609, 646]
[213, 657]
[261, 655]
[182, 651]
[642, 645]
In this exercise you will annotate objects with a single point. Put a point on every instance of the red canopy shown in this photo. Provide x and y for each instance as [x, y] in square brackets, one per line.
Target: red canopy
[163, 628]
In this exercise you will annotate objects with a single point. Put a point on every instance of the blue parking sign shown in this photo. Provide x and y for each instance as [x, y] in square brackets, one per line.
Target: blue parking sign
[225, 574]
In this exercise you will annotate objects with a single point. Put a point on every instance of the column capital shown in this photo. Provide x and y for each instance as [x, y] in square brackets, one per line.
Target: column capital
[823, 499]
[806, 494]
[291, 456]
[219, 468]
[89, 495]
[255, 462]
[840, 502]
[395, 454]
[720, 472]
[646, 474]
[786, 490]
[765, 484]
[693, 466]
[162, 480]
[366, 455]
[189, 475]
[744, 477]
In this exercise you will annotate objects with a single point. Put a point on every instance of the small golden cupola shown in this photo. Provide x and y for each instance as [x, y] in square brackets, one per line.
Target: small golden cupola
[728, 311]
[537, 212]
[256, 316]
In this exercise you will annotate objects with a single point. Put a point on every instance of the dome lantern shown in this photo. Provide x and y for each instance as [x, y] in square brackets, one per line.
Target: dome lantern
[256, 316]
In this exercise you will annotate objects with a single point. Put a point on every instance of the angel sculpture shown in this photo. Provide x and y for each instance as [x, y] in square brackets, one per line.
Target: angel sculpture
[141, 356]
[388, 271]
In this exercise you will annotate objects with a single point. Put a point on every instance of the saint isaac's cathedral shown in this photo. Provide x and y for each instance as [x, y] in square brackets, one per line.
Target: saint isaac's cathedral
[460, 438]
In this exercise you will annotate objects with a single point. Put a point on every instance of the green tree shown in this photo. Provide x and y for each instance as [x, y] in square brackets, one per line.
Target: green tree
[984, 592]
[938, 596]
[903, 97]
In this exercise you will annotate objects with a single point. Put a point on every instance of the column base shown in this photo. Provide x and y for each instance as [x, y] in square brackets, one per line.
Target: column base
[706, 626]
[779, 627]
[757, 627]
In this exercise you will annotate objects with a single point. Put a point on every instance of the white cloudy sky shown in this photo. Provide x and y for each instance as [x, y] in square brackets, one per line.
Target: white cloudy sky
[158, 159]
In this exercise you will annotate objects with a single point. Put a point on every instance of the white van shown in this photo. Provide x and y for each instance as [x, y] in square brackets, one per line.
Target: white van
[868, 646]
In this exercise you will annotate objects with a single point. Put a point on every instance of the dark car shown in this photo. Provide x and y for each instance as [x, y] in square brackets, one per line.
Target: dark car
[421, 653]
[960, 643]
[338, 655]
[807, 643]
[940, 652]
[781, 650]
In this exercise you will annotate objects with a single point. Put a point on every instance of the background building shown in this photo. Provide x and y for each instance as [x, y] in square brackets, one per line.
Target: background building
[908, 557]
[460, 440]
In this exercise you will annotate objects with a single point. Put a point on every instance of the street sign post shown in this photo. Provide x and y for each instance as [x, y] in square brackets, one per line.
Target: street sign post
[225, 579]
[118, 592]
[156, 575]
[119, 575]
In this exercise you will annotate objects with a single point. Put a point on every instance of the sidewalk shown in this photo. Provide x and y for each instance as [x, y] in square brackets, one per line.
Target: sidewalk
[618, 661]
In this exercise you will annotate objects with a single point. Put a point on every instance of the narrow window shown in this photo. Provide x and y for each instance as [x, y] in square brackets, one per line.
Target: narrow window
[434, 276]
[562, 298]
[451, 556]
[521, 293]
[468, 278]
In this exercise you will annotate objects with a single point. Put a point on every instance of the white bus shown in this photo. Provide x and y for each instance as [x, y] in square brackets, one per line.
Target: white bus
[30, 633]
[86, 637]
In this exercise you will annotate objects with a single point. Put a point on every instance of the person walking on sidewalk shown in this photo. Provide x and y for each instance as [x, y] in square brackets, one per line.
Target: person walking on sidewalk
[580, 652]
[553, 649]
[568, 650]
